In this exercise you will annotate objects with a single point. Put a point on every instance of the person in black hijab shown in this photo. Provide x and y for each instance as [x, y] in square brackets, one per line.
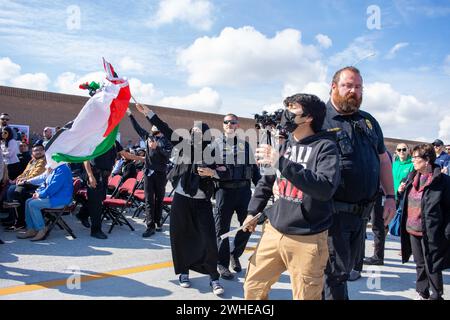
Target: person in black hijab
[192, 228]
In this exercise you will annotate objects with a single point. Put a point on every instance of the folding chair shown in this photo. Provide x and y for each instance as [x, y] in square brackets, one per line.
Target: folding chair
[55, 216]
[113, 184]
[115, 208]
[167, 203]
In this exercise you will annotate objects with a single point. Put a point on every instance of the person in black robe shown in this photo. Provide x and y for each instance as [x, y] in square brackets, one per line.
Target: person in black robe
[192, 228]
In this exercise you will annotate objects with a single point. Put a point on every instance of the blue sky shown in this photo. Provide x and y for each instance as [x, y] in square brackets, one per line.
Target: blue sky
[240, 56]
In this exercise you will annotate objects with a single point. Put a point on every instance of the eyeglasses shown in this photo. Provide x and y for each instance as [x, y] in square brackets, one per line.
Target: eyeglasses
[4, 119]
[230, 122]
[402, 150]
[416, 158]
[349, 86]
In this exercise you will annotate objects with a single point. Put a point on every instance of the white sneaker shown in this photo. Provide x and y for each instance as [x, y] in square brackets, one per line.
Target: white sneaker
[420, 297]
[217, 287]
[184, 280]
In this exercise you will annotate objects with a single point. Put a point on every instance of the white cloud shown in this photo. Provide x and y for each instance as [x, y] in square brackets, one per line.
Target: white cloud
[69, 82]
[324, 41]
[447, 65]
[206, 100]
[393, 51]
[197, 13]
[8, 69]
[144, 92]
[10, 75]
[34, 81]
[444, 129]
[360, 49]
[401, 116]
[245, 56]
[127, 64]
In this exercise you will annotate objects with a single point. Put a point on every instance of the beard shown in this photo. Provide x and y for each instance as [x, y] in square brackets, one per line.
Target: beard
[349, 103]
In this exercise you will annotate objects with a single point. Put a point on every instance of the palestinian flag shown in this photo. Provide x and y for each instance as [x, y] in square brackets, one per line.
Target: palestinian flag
[94, 130]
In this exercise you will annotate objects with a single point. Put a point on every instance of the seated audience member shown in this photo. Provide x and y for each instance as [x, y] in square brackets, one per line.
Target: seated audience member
[20, 190]
[24, 156]
[54, 192]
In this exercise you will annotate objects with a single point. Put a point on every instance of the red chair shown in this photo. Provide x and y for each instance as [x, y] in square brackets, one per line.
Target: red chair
[55, 216]
[115, 208]
[114, 183]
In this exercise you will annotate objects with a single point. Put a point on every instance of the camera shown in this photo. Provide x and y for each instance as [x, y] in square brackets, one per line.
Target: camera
[266, 119]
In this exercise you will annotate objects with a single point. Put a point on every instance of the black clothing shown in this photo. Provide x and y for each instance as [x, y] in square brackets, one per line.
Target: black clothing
[192, 231]
[193, 236]
[155, 159]
[155, 179]
[155, 190]
[233, 193]
[425, 280]
[227, 202]
[101, 169]
[24, 158]
[309, 177]
[435, 207]
[360, 143]
[106, 161]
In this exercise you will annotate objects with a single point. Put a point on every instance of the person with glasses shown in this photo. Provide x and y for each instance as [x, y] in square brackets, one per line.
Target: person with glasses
[233, 194]
[364, 164]
[4, 120]
[425, 222]
[158, 150]
[442, 158]
[402, 165]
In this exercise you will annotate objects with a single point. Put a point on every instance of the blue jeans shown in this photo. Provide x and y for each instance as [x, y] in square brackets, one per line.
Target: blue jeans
[33, 214]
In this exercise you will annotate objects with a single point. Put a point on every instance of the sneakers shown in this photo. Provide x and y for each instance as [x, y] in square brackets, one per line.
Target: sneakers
[184, 280]
[373, 261]
[216, 287]
[235, 264]
[354, 275]
[420, 297]
[224, 272]
[148, 233]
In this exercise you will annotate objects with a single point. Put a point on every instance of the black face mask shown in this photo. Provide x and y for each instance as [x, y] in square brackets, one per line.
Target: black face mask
[288, 120]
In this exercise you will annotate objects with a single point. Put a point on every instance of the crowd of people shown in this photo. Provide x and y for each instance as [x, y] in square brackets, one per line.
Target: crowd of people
[330, 177]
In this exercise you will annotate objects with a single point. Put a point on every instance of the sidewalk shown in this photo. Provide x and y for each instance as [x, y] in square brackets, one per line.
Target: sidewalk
[127, 266]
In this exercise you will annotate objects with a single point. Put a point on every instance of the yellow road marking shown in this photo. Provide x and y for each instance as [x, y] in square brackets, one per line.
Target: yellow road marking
[87, 278]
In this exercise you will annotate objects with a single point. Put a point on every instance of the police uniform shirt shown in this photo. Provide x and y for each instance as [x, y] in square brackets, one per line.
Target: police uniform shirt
[106, 161]
[360, 142]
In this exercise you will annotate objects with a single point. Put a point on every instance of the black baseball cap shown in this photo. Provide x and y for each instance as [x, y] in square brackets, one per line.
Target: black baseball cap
[438, 143]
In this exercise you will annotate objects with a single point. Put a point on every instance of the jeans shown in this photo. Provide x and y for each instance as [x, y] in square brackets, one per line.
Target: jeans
[33, 214]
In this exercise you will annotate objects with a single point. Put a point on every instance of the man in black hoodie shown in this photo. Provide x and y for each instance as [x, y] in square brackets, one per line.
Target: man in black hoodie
[307, 175]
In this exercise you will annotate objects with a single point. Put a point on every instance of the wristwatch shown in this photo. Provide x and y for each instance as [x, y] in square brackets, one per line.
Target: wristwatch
[390, 196]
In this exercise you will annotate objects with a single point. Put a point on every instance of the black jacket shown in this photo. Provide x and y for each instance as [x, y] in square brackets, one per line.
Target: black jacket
[155, 159]
[187, 172]
[307, 179]
[435, 208]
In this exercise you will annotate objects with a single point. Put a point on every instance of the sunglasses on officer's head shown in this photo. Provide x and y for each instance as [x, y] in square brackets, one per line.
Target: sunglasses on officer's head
[402, 149]
[230, 121]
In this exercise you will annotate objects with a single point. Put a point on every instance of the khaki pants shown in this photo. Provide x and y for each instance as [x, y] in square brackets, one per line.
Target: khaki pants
[305, 258]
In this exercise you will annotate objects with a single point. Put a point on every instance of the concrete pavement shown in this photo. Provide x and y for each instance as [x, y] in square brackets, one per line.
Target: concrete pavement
[127, 266]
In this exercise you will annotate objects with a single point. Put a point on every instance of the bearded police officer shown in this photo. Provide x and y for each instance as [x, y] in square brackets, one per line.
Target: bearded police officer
[364, 164]
[233, 194]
